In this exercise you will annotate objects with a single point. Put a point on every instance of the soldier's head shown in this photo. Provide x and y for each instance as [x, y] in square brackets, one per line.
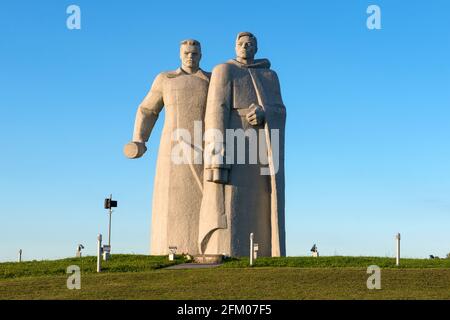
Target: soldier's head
[246, 45]
[190, 54]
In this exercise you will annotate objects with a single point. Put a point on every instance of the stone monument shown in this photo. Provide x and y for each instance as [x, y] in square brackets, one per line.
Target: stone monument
[242, 198]
[177, 192]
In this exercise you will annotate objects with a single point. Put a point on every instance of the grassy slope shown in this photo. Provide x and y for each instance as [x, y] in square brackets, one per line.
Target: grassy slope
[298, 278]
[340, 262]
[119, 263]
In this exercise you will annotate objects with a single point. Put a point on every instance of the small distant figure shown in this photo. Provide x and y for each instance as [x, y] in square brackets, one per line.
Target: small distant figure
[19, 259]
[314, 251]
[79, 248]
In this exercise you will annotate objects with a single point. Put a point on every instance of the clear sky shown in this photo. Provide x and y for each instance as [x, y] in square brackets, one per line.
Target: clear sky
[368, 127]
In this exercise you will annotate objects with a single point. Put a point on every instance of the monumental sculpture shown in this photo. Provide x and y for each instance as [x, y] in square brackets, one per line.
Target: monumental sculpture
[243, 197]
[177, 192]
[212, 206]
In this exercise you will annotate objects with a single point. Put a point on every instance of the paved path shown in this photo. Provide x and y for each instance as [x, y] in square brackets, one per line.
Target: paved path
[193, 266]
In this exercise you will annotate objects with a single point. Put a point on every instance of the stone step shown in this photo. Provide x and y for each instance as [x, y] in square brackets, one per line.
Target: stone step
[208, 258]
[193, 266]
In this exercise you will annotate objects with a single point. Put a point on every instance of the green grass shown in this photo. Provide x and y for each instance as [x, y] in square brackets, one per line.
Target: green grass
[118, 263]
[338, 262]
[142, 277]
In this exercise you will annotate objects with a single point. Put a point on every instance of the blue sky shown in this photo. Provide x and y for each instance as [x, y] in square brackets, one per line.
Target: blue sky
[368, 125]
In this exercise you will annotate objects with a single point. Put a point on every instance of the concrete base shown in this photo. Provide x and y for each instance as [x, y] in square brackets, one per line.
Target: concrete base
[208, 258]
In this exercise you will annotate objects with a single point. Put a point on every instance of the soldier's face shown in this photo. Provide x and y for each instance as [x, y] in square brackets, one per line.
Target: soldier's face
[245, 48]
[190, 56]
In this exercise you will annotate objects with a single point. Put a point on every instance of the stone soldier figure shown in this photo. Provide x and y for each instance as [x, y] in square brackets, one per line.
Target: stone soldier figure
[177, 189]
[242, 198]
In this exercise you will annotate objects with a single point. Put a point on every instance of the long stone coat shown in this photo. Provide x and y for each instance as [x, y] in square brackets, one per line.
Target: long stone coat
[177, 191]
[250, 202]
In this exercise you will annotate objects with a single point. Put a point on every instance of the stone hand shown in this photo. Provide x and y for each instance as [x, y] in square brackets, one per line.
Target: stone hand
[256, 115]
[217, 175]
[134, 149]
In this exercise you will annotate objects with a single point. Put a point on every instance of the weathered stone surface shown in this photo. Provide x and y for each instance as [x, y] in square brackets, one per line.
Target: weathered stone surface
[244, 93]
[211, 208]
[177, 189]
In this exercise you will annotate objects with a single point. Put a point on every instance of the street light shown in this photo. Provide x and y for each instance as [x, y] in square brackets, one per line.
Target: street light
[109, 204]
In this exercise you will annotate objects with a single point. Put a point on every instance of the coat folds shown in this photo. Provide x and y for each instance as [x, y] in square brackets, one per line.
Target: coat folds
[249, 201]
[177, 190]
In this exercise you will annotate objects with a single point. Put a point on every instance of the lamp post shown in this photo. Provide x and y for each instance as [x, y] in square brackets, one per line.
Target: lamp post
[109, 204]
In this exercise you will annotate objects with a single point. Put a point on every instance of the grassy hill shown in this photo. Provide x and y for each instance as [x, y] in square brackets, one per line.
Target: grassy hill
[144, 277]
[118, 263]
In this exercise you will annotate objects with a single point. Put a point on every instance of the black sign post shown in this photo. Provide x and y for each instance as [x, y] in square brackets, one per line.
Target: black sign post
[109, 204]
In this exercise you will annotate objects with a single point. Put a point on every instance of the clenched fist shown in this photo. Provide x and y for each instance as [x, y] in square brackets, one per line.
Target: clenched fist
[256, 115]
[134, 149]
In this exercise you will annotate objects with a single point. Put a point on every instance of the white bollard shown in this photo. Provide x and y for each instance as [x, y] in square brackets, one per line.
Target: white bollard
[172, 252]
[397, 260]
[106, 251]
[251, 249]
[255, 250]
[99, 253]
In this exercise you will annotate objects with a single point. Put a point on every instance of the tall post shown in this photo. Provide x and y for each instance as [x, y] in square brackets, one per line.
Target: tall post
[109, 225]
[99, 253]
[19, 259]
[251, 249]
[397, 260]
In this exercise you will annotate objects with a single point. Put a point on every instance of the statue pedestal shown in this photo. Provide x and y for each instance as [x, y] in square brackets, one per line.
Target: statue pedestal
[208, 258]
